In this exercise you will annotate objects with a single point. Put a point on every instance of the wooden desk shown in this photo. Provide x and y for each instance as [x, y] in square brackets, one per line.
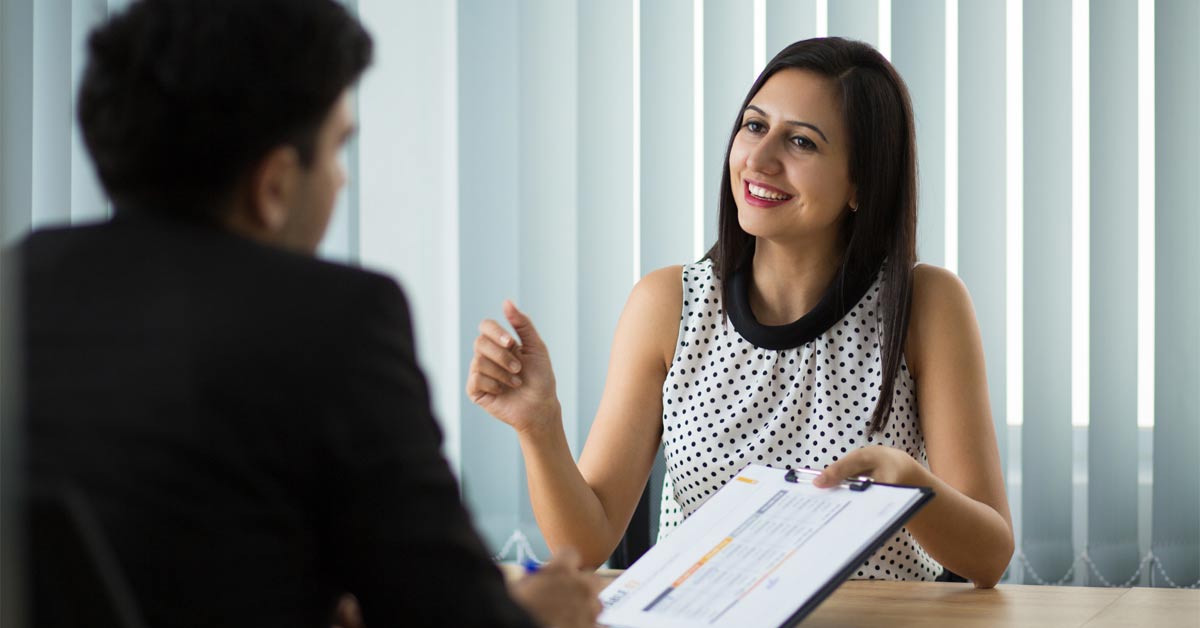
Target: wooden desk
[875, 604]
[866, 604]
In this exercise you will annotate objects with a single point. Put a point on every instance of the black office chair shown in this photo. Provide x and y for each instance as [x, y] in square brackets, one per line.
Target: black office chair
[75, 578]
[643, 528]
[949, 576]
[636, 540]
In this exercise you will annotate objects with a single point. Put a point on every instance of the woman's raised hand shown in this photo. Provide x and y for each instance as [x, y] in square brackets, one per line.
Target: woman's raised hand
[512, 378]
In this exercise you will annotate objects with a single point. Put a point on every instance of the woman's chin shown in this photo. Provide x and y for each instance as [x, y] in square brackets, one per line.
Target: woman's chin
[757, 226]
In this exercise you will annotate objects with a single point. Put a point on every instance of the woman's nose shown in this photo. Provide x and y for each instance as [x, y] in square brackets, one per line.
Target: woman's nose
[764, 156]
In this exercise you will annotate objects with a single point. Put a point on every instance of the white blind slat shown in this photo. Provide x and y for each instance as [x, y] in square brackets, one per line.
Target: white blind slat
[1176, 493]
[1046, 429]
[920, 60]
[789, 21]
[489, 201]
[981, 168]
[667, 142]
[728, 75]
[1112, 489]
[547, 248]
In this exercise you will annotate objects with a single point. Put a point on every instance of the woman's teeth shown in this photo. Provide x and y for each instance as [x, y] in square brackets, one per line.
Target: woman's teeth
[767, 195]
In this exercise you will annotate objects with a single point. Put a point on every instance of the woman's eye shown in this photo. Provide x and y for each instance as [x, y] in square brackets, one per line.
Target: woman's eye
[754, 126]
[803, 142]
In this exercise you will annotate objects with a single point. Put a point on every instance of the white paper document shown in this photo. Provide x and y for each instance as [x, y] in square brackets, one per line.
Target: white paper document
[763, 551]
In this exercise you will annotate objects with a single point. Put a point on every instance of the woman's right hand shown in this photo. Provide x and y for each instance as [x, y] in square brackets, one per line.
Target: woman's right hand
[513, 380]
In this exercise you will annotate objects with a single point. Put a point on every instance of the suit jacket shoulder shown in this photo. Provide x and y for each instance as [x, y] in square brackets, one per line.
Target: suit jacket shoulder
[255, 415]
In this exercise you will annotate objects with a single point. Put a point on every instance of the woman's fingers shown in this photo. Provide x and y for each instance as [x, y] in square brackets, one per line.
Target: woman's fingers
[879, 462]
[503, 361]
[486, 350]
[479, 385]
[489, 368]
[852, 464]
[487, 375]
[496, 333]
[523, 325]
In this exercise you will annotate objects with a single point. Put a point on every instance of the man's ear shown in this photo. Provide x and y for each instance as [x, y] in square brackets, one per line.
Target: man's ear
[273, 188]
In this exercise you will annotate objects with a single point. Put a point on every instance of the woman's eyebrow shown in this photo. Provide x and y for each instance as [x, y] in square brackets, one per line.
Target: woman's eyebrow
[808, 125]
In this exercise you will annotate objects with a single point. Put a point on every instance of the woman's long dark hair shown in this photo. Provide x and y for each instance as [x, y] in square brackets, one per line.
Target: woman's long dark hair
[883, 167]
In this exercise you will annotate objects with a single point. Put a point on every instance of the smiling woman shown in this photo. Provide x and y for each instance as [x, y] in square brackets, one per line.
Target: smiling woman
[804, 338]
[869, 155]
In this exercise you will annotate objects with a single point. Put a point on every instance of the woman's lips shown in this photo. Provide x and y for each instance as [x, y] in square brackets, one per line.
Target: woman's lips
[761, 195]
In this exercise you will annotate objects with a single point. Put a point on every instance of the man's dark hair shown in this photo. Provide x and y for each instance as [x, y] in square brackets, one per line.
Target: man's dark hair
[180, 98]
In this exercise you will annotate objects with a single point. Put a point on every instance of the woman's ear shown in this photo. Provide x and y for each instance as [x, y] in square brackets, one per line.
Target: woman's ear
[273, 189]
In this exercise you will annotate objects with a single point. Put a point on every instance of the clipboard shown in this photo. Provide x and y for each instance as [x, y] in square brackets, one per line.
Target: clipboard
[764, 551]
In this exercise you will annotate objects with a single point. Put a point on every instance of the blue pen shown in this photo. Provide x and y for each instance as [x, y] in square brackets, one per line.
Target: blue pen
[530, 565]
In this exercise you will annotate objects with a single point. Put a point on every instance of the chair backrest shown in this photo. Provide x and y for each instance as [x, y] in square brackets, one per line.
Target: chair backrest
[643, 526]
[636, 540]
[75, 578]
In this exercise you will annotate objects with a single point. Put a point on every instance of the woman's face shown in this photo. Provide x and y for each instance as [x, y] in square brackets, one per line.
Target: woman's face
[789, 163]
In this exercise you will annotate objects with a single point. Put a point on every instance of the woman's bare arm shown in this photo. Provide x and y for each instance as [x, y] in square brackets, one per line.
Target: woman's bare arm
[587, 505]
[967, 526]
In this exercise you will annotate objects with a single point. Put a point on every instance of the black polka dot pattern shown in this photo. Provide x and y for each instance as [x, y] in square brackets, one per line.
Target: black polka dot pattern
[728, 403]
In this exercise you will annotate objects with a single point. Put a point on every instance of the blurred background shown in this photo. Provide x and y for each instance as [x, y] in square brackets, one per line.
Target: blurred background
[554, 151]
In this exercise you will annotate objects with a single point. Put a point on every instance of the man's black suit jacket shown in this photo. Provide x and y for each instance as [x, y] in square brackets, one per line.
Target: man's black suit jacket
[250, 427]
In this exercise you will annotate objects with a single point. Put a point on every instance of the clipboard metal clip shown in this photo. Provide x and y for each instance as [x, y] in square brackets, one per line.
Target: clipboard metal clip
[857, 484]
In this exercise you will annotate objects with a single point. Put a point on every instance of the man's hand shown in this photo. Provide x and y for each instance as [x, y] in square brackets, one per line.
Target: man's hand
[560, 594]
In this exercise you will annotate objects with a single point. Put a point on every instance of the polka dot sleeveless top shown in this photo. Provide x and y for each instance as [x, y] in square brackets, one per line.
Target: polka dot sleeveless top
[798, 395]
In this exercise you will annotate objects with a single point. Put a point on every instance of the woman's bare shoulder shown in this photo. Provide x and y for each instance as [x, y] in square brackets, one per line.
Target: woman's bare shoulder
[663, 283]
[941, 313]
[936, 290]
[653, 310]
